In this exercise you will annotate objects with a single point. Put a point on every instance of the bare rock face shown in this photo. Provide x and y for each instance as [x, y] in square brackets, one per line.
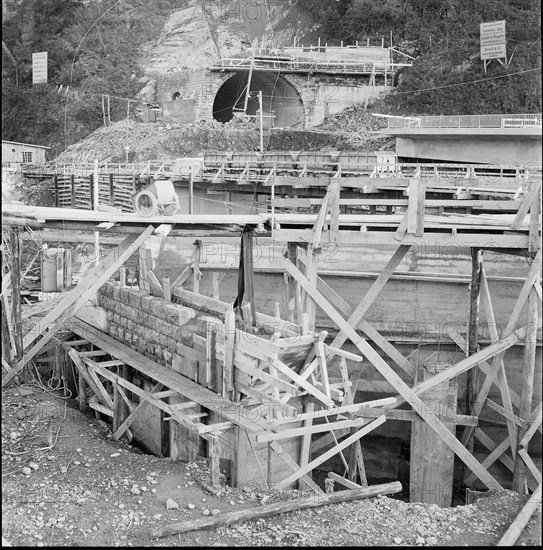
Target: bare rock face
[200, 33]
[185, 42]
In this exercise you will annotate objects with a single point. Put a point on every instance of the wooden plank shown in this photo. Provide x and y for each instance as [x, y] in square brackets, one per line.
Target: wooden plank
[323, 367]
[530, 464]
[166, 289]
[154, 284]
[483, 365]
[325, 456]
[76, 298]
[497, 363]
[345, 482]
[531, 428]
[309, 429]
[229, 345]
[172, 380]
[276, 508]
[505, 413]
[494, 455]
[323, 398]
[534, 234]
[185, 274]
[201, 300]
[306, 439]
[526, 204]
[402, 228]
[520, 522]
[289, 461]
[372, 293]
[407, 393]
[415, 208]
[344, 409]
[357, 458]
[527, 389]
[265, 377]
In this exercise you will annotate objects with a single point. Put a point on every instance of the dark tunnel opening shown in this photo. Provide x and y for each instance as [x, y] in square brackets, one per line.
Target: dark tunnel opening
[282, 105]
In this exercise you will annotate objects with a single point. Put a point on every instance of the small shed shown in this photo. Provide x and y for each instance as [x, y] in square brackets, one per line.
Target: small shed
[25, 153]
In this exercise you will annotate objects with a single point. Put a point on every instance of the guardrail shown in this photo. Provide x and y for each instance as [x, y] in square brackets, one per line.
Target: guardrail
[304, 65]
[467, 121]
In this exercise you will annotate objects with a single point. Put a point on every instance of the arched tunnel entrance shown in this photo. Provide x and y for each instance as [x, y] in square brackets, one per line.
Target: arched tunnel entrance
[282, 104]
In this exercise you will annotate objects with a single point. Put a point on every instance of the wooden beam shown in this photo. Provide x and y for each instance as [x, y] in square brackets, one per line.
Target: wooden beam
[276, 508]
[44, 329]
[526, 394]
[185, 274]
[520, 522]
[289, 461]
[526, 204]
[472, 378]
[305, 450]
[415, 208]
[328, 454]
[372, 293]
[309, 429]
[530, 464]
[345, 482]
[323, 398]
[407, 393]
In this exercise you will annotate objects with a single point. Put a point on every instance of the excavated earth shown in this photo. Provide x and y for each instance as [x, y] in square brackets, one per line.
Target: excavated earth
[66, 483]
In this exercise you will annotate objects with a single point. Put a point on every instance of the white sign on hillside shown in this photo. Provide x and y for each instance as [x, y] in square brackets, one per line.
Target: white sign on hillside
[39, 68]
[493, 41]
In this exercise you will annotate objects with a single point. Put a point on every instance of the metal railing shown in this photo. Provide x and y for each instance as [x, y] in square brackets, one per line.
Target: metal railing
[467, 121]
[304, 65]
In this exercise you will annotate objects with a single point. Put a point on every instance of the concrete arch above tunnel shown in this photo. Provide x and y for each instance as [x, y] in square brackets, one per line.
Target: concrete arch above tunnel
[282, 105]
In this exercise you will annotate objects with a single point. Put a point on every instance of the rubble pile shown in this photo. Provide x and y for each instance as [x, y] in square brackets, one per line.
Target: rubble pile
[159, 141]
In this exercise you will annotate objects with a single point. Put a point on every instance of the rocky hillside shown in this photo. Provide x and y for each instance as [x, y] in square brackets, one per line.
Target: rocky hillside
[199, 33]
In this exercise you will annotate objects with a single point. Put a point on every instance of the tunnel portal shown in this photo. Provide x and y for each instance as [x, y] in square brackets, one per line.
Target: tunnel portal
[282, 105]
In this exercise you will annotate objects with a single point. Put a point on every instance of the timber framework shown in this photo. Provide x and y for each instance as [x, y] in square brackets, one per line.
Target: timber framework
[270, 398]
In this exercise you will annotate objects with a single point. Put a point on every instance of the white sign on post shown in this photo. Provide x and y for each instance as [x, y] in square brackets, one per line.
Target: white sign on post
[39, 68]
[493, 40]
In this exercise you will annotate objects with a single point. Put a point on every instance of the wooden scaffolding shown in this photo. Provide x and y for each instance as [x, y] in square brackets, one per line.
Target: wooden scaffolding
[258, 386]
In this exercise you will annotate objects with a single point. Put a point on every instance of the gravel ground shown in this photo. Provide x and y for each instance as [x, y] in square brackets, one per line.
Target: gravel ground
[65, 483]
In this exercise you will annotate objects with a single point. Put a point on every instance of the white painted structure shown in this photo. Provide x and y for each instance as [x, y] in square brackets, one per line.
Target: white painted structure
[25, 153]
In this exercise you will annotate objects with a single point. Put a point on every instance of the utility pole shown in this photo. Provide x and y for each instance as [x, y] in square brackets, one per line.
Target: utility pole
[261, 122]
[96, 199]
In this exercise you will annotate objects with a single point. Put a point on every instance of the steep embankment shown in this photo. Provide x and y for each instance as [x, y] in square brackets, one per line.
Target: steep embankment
[158, 141]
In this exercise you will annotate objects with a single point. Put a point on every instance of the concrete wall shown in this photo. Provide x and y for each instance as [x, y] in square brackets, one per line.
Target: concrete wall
[298, 98]
[514, 151]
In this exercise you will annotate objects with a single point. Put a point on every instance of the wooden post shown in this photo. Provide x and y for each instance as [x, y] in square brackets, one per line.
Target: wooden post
[91, 191]
[191, 191]
[117, 400]
[72, 189]
[229, 341]
[432, 461]
[292, 305]
[472, 381]
[214, 461]
[196, 268]
[81, 392]
[528, 370]
[247, 251]
[166, 289]
[111, 191]
[55, 182]
[16, 290]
